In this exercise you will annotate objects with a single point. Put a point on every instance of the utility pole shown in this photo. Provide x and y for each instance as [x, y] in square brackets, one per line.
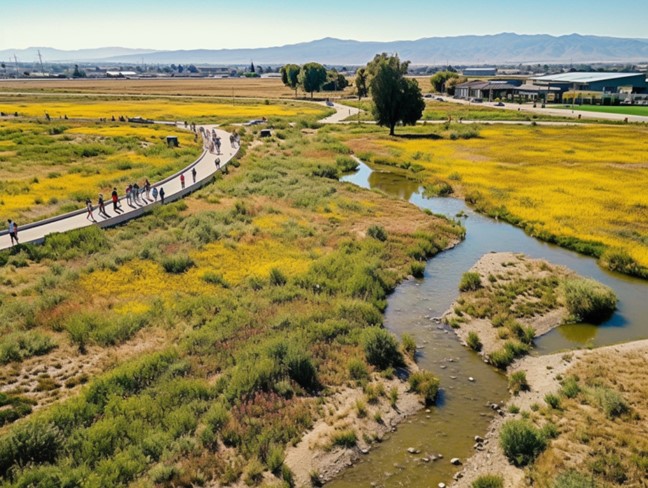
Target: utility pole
[40, 58]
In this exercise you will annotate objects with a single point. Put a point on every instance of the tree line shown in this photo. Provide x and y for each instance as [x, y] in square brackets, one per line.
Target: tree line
[312, 77]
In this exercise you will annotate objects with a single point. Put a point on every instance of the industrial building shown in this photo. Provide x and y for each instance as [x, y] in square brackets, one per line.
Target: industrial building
[594, 82]
[479, 71]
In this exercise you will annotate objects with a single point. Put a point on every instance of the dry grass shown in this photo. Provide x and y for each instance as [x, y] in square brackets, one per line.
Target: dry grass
[612, 450]
[216, 87]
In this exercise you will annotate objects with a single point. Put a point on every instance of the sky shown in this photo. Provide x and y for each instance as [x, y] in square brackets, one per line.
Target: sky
[216, 24]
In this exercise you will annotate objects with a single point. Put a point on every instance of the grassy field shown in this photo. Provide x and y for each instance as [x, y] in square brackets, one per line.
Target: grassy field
[581, 187]
[49, 168]
[436, 110]
[213, 87]
[192, 345]
[157, 108]
[621, 109]
[602, 437]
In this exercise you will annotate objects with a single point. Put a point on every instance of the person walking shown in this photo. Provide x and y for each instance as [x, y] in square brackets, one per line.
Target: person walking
[217, 163]
[88, 203]
[182, 180]
[162, 195]
[100, 202]
[13, 232]
[147, 188]
[154, 192]
[135, 192]
[128, 195]
[193, 173]
[115, 199]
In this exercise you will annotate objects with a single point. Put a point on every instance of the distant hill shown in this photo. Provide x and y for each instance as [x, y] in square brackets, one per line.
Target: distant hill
[51, 55]
[505, 48]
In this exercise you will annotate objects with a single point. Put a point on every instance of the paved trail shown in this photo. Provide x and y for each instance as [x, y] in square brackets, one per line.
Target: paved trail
[205, 169]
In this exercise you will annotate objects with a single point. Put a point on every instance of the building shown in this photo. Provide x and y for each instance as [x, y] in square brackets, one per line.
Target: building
[480, 71]
[487, 90]
[608, 83]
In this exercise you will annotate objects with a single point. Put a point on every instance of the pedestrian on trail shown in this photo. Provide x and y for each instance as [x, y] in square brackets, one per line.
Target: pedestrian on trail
[193, 173]
[115, 200]
[147, 187]
[154, 192]
[13, 232]
[162, 195]
[129, 199]
[217, 163]
[135, 192]
[100, 202]
[88, 203]
[182, 180]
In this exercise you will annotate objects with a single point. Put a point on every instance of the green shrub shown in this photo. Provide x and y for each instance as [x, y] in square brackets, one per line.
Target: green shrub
[552, 400]
[573, 479]
[215, 279]
[377, 232]
[619, 260]
[277, 278]
[417, 269]
[381, 348]
[177, 264]
[570, 388]
[438, 189]
[345, 438]
[33, 442]
[474, 342]
[254, 472]
[409, 345]
[275, 459]
[426, 384]
[518, 382]
[358, 370]
[611, 402]
[521, 442]
[588, 300]
[470, 281]
[21, 345]
[488, 481]
[346, 164]
[329, 172]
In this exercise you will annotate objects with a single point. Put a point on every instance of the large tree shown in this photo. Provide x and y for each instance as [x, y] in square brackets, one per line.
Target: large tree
[361, 83]
[440, 80]
[311, 77]
[395, 98]
[290, 76]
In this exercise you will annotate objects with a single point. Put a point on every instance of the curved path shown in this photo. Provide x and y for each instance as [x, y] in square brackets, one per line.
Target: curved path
[205, 167]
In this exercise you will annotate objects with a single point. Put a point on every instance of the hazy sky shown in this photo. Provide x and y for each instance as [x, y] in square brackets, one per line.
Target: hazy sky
[193, 24]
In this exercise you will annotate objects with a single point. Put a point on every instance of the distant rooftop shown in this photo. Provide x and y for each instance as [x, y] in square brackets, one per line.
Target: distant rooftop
[584, 77]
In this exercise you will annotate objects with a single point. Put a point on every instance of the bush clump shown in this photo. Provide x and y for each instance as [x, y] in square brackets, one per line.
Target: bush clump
[378, 232]
[345, 438]
[521, 442]
[573, 479]
[346, 164]
[470, 281]
[611, 402]
[588, 300]
[381, 348]
[426, 384]
[474, 342]
[488, 481]
[409, 345]
[177, 264]
[518, 382]
[358, 370]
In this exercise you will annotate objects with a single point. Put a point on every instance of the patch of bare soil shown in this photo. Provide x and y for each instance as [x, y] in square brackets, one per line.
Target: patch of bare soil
[317, 457]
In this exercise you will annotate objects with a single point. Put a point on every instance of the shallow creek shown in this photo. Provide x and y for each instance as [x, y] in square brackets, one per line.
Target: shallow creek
[462, 410]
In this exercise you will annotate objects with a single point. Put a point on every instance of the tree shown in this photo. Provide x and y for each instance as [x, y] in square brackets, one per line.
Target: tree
[451, 84]
[361, 83]
[311, 77]
[440, 80]
[395, 98]
[290, 76]
[252, 70]
[78, 73]
[335, 81]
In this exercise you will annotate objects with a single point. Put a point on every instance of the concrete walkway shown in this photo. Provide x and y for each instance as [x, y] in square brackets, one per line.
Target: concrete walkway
[205, 169]
[342, 112]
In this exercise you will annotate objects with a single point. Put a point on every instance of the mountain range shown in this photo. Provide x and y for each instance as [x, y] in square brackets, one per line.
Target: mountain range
[505, 48]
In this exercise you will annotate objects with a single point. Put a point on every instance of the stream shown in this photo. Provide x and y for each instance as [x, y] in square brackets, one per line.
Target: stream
[462, 410]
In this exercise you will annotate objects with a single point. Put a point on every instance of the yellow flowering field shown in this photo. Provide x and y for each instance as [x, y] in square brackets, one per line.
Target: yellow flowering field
[154, 108]
[48, 168]
[584, 182]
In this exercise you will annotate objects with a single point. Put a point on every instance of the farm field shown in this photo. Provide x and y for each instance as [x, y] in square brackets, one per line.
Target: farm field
[214, 87]
[581, 187]
[620, 109]
[165, 109]
[437, 110]
[50, 168]
[194, 344]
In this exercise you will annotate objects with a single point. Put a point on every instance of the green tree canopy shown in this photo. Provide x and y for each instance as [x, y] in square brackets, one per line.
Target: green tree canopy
[395, 98]
[361, 83]
[290, 76]
[440, 79]
[311, 77]
[334, 81]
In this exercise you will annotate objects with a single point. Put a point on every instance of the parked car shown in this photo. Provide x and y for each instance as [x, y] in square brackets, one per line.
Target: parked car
[255, 122]
[329, 103]
[499, 104]
[439, 99]
[476, 100]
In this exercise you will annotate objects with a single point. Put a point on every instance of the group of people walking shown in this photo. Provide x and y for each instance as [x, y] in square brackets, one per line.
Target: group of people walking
[135, 195]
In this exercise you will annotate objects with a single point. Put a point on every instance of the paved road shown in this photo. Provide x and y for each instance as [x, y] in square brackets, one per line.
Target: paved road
[555, 112]
[341, 112]
[205, 169]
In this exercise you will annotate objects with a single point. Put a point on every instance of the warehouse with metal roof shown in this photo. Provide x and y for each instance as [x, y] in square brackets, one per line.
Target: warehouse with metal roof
[595, 82]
